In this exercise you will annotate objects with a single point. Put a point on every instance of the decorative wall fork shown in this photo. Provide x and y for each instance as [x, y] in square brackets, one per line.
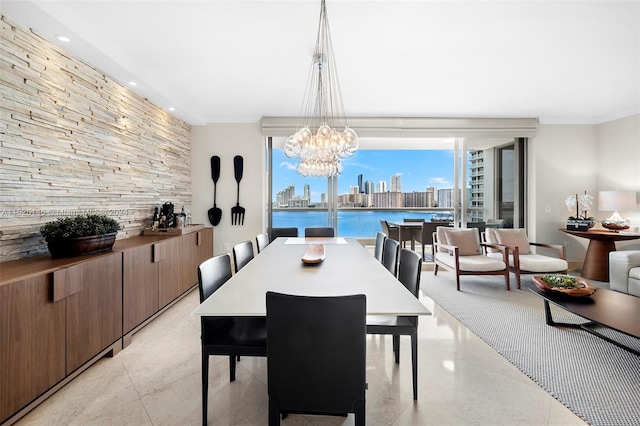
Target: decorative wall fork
[237, 212]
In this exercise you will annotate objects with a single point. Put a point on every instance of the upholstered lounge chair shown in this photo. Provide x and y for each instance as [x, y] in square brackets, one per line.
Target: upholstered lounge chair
[521, 259]
[460, 250]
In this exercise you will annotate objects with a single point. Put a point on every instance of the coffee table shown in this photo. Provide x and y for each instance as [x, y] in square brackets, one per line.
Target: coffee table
[618, 311]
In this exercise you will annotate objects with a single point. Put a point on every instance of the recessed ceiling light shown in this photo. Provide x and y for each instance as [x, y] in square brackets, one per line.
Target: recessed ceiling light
[63, 37]
[133, 83]
[171, 109]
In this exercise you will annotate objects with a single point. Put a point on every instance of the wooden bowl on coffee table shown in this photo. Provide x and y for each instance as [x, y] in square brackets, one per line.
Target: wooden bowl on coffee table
[587, 288]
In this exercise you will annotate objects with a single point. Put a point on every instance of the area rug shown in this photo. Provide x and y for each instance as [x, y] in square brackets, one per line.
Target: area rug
[596, 380]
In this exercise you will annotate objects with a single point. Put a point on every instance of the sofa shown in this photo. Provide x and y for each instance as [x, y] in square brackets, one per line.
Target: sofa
[624, 271]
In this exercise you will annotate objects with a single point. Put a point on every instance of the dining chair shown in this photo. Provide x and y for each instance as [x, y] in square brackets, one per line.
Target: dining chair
[390, 255]
[409, 273]
[242, 254]
[223, 335]
[521, 259]
[379, 247]
[262, 241]
[316, 356]
[319, 232]
[460, 250]
[283, 232]
[425, 236]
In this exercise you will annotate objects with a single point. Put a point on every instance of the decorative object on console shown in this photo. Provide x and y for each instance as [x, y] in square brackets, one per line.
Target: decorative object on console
[317, 143]
[616, 201]
[580, 222]
[80, 235]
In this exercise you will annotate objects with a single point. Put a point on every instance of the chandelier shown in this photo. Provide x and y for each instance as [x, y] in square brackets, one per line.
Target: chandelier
[323, 139]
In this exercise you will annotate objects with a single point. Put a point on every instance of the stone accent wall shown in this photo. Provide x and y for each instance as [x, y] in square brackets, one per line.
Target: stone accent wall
[74, 141]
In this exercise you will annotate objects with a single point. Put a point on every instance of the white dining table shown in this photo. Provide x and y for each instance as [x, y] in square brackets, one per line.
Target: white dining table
[348, 268]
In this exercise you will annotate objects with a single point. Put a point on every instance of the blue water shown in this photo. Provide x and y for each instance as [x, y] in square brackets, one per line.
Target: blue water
[356, 224]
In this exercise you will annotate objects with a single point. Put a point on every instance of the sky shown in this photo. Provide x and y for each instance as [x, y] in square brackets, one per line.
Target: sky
[419, 169]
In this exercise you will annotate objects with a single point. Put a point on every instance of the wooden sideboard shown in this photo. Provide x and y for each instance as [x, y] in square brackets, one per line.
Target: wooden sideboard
[59, 316]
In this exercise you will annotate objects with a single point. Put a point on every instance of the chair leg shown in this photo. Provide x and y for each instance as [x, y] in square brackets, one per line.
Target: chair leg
[274, 413]
[359, 409]
[396, 347]
[435, 267]
[414, 363]
[205, 386]
[457, 281]
[232, 368]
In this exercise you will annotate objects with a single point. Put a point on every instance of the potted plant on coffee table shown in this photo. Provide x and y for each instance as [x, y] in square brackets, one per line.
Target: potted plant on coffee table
[80, 235]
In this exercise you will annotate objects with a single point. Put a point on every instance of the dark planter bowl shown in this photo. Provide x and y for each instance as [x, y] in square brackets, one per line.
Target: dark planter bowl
[80, 246]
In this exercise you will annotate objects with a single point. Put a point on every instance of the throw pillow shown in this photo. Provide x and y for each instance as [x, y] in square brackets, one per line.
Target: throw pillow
[514, 237]
[465, 239]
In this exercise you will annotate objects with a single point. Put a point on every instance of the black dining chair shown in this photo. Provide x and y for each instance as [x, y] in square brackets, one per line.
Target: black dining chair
[283, 232]
[425, 236]
[262, 241]
[379, 247]
[390, 255]
[242, 254]
[409, 275]
[316, 356]
[223, 335]
[319, 232]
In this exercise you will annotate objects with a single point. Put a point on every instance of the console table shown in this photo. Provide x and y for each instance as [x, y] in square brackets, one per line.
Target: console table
[596, 261]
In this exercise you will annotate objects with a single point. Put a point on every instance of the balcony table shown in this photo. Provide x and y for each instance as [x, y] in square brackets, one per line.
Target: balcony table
[348, 268]
[408, 228]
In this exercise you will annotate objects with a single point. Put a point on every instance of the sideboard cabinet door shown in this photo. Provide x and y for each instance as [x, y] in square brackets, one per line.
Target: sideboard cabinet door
[140, 285]
[32, 342]
[170, 280]
[196, 248]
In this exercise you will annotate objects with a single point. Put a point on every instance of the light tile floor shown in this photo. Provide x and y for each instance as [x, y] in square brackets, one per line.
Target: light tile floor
[156, 381]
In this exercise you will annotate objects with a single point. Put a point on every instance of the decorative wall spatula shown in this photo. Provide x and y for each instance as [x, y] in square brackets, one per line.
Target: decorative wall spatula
[215, 214]
[237, 212]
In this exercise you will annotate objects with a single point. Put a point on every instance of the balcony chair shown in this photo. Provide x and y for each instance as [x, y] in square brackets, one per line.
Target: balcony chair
[390, 255]
[392, 232]
[242, 254]
[316, 355]
[319, 232]
[521, 259]
[283, 232]
[425, 236]
[379, 247]
[222, 335]
[460, 250]
[409, 275]
[262, 241]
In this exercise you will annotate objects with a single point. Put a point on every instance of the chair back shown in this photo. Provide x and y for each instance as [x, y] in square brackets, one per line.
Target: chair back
[410, 270]
[428, 228]
[390, 255]
[283, 232]
[379, 247]
[319, 232]
[408, 219]
[242, 254]
[316, 355]
[212, 273]
[390, 232]
[262, 241]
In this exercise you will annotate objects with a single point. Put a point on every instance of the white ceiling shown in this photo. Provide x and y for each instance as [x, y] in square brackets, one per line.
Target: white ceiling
[237, 61]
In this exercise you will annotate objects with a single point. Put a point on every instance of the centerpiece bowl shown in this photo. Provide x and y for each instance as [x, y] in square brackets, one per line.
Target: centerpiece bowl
[564, 284]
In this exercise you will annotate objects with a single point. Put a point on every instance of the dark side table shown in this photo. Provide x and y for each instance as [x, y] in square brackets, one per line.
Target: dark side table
[596, 262]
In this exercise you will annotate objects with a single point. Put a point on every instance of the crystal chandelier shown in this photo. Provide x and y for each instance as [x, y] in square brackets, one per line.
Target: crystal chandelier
[323, 139]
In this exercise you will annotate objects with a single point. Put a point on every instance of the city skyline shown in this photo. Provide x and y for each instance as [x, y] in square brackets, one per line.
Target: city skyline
[418, 170]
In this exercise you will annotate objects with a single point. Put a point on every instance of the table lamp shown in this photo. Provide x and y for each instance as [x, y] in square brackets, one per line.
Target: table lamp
[616, 201]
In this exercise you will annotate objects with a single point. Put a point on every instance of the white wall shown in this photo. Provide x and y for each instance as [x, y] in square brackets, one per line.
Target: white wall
[227, 141]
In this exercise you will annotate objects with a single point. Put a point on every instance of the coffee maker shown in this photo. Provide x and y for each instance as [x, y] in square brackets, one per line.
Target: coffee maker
[169, 216]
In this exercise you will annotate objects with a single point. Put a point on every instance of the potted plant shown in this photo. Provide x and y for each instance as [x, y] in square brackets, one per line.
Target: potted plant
[582, 204]
[80, 235]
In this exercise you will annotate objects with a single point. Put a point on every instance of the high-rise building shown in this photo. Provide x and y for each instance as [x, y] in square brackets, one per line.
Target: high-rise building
[307, 192]
[368, 187]
[382, 186]
[475, 203]
[284, 197]
[396, 183]
[431, 197]
[361, 184]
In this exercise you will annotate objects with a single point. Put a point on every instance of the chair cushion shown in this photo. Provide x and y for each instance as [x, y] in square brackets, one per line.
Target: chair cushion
[513, 237]
[634, 273]
[477, 263]
[465, 239]
[536, 262]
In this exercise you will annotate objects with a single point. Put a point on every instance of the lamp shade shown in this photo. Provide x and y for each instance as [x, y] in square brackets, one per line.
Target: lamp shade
[617, 200]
